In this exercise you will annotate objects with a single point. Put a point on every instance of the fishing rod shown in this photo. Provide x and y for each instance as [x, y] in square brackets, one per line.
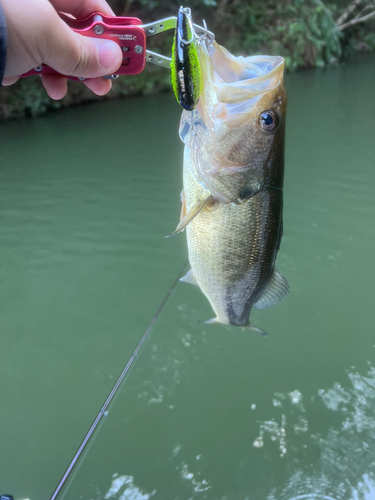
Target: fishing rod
[103, 410]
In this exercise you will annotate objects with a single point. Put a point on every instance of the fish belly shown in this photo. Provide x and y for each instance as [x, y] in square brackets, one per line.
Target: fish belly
[232, 248]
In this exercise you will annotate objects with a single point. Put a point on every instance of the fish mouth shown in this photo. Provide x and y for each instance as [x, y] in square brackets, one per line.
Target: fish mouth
[238, 79]
[223, 131]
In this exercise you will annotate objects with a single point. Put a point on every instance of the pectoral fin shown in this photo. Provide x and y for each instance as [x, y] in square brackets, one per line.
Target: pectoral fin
[189, 278]
[192, 213]
[183, 206]
[276, 290]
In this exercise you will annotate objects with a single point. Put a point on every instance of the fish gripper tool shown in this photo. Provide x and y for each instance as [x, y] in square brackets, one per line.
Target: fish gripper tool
[129, 33]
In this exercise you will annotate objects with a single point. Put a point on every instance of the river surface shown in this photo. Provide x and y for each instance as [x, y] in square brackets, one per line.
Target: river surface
[207, 411]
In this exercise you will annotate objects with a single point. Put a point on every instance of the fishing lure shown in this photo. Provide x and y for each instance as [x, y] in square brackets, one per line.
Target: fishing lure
[185, 68]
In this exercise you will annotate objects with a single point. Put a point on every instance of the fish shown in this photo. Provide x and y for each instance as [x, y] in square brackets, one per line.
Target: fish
[233, 173]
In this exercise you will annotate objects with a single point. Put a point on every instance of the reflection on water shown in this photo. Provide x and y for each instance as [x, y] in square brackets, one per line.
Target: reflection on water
[166, 379]
[198, 486]
[312, 497]
[323, 463]
[345, 454]
[123, 488]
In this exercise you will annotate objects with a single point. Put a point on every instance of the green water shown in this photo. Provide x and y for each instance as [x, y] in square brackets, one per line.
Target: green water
[207, 411]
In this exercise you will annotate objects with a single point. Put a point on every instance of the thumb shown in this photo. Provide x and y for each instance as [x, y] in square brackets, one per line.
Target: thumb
[72, 54]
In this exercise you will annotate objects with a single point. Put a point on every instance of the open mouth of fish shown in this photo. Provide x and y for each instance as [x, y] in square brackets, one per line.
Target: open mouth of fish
[235, 91]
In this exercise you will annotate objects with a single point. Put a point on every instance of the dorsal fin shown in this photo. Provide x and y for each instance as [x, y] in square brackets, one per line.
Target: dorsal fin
[276, 290]
[192, 213]
[189, 278]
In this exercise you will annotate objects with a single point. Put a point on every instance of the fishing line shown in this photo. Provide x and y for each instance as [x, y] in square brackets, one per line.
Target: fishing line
[103, 410]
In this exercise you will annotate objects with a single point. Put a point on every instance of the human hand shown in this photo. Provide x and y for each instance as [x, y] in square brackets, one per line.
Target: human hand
[36, 35]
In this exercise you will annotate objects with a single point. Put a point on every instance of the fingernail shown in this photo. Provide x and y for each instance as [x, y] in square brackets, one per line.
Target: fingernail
[108, 54]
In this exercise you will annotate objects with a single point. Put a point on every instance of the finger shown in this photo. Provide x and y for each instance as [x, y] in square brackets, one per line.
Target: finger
[82, 8]
[56, 86]
[72, 54]
[100, 86]
[10, 80]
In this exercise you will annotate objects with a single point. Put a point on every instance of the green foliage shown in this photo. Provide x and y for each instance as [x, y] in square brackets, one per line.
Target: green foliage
[304, 32]
[27, 97]
[150, 81]
[359, 38]
[369, 40]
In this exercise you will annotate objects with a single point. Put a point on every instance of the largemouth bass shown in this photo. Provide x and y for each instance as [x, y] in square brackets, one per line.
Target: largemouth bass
[232, 199]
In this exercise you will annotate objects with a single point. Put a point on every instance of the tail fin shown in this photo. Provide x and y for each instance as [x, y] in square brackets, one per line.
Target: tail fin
[254, 328]
[250, 326]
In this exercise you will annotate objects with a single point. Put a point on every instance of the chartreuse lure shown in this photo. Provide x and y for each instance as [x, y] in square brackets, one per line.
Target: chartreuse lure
[185, 69]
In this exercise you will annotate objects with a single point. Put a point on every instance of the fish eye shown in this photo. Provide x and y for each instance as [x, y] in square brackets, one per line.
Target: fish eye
[268, 121]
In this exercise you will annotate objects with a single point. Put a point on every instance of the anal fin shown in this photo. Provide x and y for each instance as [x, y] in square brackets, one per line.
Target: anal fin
[276, 290]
